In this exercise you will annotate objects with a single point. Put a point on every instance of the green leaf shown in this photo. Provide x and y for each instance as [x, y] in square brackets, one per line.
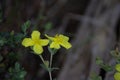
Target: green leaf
[52, 51]
[25, 26]
[99, 61]
[116, 55]
[22, 74]
[17, 66]
[47, 63]
[18, 37]
[104, 66]
[44, 67]
[48, 26]
[95, 77]
[54, 69]
[2, 41]
[17, 73]
[107, 67]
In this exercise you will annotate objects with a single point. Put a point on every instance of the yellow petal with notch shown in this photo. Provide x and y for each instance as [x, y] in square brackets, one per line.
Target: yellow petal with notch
[65, 38]
[27, 42]
[35, 35]
[54, 45]
[44, 42]
[66, 44]
[38, 49]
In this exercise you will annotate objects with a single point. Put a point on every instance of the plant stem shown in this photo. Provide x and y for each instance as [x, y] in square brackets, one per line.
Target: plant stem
[50, 75]
[51, 57]
[42, 59]
[50, 66]
[49, 71]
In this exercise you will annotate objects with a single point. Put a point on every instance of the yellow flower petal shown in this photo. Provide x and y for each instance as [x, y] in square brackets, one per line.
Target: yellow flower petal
[51, 38]
[35, 35]
[44, 42]
[66, 44]
[38, 49]
[64, 37]
[117, 76]
[117, 67]
[27, 42]
[54, 45]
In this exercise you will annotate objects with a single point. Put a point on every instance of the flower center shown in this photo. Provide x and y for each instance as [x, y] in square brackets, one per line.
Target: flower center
[58, 39]
[36, 41]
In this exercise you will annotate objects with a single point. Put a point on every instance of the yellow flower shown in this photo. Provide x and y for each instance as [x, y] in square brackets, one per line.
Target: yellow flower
[59, 40]
[36, 42]
[117, 76]
[117, 67]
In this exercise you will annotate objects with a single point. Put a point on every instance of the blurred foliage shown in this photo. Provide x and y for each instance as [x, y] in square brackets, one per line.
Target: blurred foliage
[116, 55]
[104, 66]
[11, 39]
[17, 73]
[95, 77]
[9, 43]
[48, 26]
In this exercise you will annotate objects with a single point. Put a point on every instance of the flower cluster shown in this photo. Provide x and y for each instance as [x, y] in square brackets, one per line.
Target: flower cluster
[37, 43]
[117, 74]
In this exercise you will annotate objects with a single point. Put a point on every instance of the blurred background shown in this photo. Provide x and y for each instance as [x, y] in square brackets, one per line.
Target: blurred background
[92, 25]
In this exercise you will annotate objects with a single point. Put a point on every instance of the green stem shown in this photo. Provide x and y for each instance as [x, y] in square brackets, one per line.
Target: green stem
[50, 66]
[51, 57]
[50, 75]
[42, 59]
